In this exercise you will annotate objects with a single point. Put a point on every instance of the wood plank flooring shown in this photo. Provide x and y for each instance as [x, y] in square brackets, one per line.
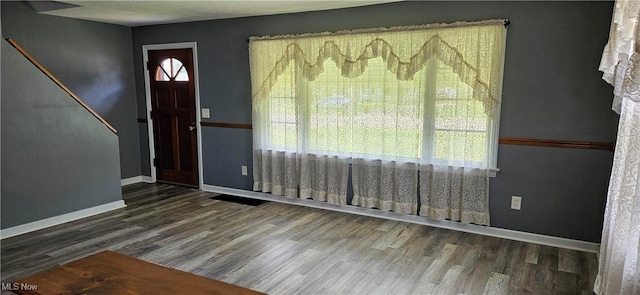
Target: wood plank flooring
[286, 249]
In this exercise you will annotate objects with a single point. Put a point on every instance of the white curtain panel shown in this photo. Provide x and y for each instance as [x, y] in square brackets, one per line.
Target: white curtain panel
[619, 259]
[321, 178]
[454, 193]
[388, 186]
[324, 178]
[275, 172]
[385, 101]
[619, 62]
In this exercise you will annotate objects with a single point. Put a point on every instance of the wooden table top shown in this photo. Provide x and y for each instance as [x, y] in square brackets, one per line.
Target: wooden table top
[113, 273]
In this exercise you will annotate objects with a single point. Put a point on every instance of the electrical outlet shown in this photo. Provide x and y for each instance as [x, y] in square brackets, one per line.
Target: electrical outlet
[205, 113]
[244, 170]
[516, 202]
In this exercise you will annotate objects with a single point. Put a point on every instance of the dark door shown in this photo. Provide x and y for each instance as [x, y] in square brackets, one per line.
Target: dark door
[174, 116]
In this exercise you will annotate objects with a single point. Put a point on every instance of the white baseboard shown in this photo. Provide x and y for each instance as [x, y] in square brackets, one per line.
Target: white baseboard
[55, 220]
[136, 179]
[470, 228]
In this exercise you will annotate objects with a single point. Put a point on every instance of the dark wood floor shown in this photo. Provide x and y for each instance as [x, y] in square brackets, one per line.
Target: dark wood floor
[287, 249]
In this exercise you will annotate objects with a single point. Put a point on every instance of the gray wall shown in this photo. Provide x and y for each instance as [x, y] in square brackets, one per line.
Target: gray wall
[56, 156]
[93, 59]
[552, 90]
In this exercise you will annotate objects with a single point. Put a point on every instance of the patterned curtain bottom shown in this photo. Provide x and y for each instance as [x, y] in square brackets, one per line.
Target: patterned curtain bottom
[436, 192]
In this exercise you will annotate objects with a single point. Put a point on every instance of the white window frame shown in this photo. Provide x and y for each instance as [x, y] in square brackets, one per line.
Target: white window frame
[302, 123]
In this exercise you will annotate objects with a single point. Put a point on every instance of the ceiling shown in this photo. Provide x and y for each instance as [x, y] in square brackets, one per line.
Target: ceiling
[151, 12]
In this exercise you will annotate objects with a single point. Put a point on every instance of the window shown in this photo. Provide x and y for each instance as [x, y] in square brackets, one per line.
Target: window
[372, 115]
[171, 69]
[461, 128]
[427, 96]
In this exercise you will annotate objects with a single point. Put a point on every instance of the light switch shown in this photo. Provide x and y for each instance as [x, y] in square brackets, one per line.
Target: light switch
[205, 113]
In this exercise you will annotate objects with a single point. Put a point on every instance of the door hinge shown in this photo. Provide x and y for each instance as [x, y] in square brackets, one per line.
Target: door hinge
[148, 66]
[155, 162]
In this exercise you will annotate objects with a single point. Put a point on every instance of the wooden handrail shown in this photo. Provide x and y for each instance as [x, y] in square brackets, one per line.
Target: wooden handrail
[55, 80]
[558, 143]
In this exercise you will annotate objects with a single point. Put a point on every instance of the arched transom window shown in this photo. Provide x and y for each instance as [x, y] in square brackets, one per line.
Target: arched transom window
[171, 69]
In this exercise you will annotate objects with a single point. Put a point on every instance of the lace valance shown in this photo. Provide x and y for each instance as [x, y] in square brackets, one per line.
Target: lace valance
[474, 50]
[620, 62]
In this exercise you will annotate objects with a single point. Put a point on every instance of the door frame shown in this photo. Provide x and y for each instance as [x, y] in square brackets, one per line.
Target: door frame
[145, 59]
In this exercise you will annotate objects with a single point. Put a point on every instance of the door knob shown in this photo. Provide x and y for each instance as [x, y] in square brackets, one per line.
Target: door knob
[191, 128]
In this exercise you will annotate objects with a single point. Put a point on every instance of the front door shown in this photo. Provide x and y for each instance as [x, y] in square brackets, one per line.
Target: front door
[173, 114]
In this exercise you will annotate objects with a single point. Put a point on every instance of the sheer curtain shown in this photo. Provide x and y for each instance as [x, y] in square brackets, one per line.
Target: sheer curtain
[619, 259]
[396, 107]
